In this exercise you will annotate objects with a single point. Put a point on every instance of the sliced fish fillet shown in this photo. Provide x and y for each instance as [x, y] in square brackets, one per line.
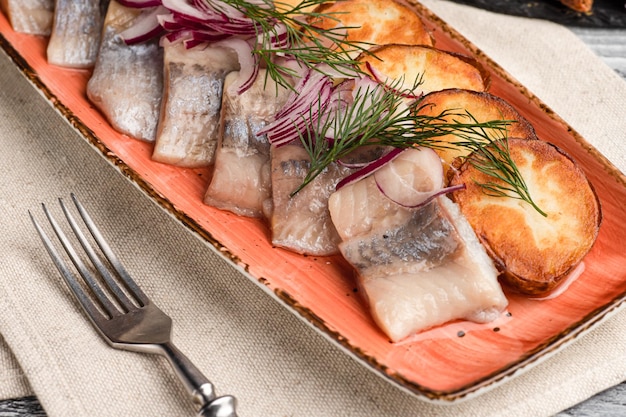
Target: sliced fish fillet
[418, 268]
[29, 16]
[127, 80]
[188, 129]
[241, 176]
[302, 223]
[76, 30]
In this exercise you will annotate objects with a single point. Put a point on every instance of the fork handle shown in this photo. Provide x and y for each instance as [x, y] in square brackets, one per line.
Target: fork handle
[199, 387]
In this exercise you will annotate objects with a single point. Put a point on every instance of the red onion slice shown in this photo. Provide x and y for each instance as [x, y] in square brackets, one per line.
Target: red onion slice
[227, 11]
[370, 168]
[279, 37]
[145, 26]
[300, 113]
[292, 66]
[184, 8]
[248, 63]
[139, 4]
[306, 88]
[413, 178]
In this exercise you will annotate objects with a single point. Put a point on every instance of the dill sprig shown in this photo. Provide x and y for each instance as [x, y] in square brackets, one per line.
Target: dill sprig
[310, 45]
[379, 116]
[490, 154]
[495, 161]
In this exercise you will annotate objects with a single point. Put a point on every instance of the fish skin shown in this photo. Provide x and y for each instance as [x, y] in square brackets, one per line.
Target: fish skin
[438, 273]
[29, 16]
[76, 30]
[193, 81]
[134, 108]
[427, 239]
[302, 223]
[241, 175]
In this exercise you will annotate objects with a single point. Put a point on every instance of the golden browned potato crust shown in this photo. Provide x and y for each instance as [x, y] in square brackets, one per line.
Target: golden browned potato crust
[437, 69]
[533, 253]
[482, 107]
[377, 22]
[584, 6]
[287, 5]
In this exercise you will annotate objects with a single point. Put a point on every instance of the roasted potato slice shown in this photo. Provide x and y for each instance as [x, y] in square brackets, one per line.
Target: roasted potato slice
[375, 22]
[533, 253]
[404, 65]
[467, 106]
[288, 5]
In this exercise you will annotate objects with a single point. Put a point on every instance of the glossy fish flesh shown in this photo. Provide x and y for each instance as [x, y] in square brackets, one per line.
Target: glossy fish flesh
[127, 81]
[188, 129]
[302, 222]
[241, 176]
[29, 16]
[76, 29]
[418, 268]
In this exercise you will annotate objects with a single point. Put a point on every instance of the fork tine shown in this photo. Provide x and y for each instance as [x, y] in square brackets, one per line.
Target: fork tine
[70, 279]
[95, 260]
[131, 286]
[88, 277]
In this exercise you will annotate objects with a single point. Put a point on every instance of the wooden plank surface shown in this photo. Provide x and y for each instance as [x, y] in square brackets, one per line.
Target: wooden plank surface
[608, 44]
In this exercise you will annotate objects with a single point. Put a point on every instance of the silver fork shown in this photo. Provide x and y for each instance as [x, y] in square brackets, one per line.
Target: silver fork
[128, 319]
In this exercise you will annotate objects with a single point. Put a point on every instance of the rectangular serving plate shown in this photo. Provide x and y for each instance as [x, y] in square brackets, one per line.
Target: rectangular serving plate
[444, 365]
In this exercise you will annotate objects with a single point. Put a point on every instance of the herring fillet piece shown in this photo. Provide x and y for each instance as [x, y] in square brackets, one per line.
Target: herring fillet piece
[193, 81]
[76, 30]
[127, 80]
[302, 223]
[241, 174]
[29, 16]
[418, 268]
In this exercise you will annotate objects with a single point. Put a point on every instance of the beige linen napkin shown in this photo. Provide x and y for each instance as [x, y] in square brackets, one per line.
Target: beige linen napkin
[248, 344]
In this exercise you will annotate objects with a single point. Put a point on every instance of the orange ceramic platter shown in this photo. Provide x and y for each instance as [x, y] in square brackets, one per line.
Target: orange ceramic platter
[446, 364]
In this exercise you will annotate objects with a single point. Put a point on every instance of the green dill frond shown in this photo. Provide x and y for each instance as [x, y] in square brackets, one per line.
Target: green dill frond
[310, 45]
[380, 116]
